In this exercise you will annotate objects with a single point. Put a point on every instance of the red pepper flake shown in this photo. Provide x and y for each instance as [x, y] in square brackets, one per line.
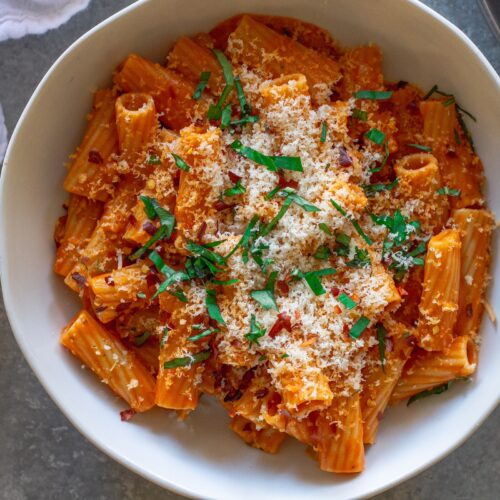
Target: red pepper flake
[109, 280]
[451, 153]
[233, 395]
[402, 291]
[468, 310]
[412, 106]
[132, 220]
[334, 96]
[401, 84]
[283, 287]
[122, 306]
[335, 291]
[126, 415]
[149, 227]
[219, 206]
[234, 177]
[262, 393]
[95, 157]
[344, 159]
[246, 380]
[337, 310]
[272, 404]
[283, 183]
[283, 322]
[248, 427]
[79, 278]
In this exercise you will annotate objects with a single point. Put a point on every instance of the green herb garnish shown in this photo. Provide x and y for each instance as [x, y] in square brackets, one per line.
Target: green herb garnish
[235, 190]
[360, 115]
[159, 235]
[359, 327]
[273, 163]
[256, 332]
[204, 77]
[266, 296]
[187, 360]
[180, 162]
[370, 189]
[141, 339]
[427, 149]
[313, 278]
[376, 136]
[203, 334]
[212, 307]
[324, 130]
[244, 106]
[436, 390]
[347, 301]
[325, 228]
[373, 94]
[361, 258]
[225, 283]
[322, 253]
[449, 191]
[171, 275]
[154, 160]
[354, 222]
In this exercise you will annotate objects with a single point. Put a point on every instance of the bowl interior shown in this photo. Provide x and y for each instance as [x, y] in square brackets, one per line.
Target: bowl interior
[201, 456]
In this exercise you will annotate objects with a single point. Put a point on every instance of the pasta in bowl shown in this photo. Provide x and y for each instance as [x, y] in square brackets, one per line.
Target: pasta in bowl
[266, 220]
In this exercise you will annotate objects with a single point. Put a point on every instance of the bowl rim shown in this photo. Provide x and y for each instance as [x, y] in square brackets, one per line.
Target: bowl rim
[136, 466]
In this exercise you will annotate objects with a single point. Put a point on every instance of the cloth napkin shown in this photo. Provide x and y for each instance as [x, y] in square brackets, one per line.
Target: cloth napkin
[23, 17]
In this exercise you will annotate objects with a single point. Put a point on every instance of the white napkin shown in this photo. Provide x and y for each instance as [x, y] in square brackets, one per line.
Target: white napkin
[23, 17]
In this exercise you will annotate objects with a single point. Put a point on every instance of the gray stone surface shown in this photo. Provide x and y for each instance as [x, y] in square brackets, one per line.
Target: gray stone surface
[43, 458]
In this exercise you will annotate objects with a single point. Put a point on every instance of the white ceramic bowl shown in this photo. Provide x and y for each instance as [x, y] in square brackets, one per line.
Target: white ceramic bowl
[201, 457]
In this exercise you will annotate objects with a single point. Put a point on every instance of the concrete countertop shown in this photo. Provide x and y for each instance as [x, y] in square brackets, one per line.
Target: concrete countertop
[42, 457]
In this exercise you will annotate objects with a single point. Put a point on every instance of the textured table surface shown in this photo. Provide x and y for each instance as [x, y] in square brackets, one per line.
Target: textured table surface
[43, 458]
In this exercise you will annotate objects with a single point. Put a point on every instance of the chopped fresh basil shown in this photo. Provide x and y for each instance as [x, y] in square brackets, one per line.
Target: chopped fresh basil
[427, 149]
[361, 258]
[225, 65]
[245, 239]
[236, 190]
[141, 339]
[140, 295]
[324, 130]
[187, 360]
[225, 283]
[313, 278]
[159, 235]
[359, 327]
[204, 77]
[376, 136]
[347, 301]
[370, 189]
[436, 390]
[180, 162]
[178, 294]
[154, 210]
[284, 355]
[171, 275]
[343, 244]
[353, 221]
[373, 94]
[244, 106]
[225, 119]
[325, 228]
[154, 159]
[449, 191]
[360, 115]
[322, 253]
[244, 120]
[266, 296]
[212, 307]
[256, 332]
[298, 200]
[273, 163]
[205, 252]
[203, 334]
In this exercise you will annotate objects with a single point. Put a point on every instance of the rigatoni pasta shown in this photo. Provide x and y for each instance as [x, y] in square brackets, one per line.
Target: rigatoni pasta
[265, 220]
